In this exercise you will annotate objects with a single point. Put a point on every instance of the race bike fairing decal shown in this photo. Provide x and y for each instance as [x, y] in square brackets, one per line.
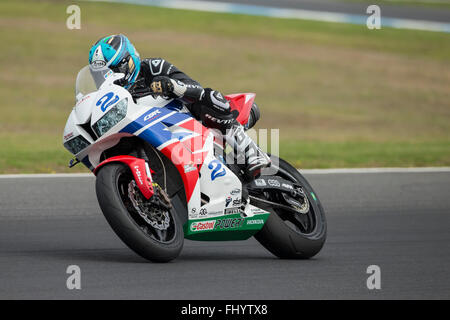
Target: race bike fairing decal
[105, 101]
[217, 169]
[178, 136]
[161, 126]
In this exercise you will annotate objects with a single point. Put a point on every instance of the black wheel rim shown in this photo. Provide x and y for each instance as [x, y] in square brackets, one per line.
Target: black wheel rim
[304, 224]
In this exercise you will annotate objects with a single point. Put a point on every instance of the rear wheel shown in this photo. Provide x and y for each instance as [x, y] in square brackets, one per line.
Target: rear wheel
[294, 235]
[153, 233]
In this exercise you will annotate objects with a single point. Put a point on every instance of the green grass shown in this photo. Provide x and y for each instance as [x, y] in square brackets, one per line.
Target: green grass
[341, 95]
[354, 154]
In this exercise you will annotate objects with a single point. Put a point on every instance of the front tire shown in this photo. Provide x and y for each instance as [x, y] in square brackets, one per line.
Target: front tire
[131, 228]
[281, 235]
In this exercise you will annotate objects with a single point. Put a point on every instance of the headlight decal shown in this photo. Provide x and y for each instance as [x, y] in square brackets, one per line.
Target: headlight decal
[76, 144]
[111, 118]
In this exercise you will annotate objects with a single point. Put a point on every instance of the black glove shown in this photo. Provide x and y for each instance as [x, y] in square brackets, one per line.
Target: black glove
[162, 86]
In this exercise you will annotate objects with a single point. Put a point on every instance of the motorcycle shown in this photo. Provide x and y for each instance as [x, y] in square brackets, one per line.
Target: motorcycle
[161, 176]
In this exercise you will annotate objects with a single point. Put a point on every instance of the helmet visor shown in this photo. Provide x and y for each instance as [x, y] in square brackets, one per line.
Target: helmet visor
[126, 66]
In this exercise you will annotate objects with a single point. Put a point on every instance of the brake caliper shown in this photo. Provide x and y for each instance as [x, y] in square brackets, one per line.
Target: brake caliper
[155, 211]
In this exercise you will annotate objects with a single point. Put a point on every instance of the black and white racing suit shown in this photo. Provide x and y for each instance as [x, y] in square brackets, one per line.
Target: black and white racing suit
[209, 106]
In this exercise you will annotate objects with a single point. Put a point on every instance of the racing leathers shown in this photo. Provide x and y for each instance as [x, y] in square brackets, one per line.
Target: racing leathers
[207, 105]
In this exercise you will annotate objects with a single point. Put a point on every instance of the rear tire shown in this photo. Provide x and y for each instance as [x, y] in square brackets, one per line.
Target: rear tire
[127, 225]
[285, 241]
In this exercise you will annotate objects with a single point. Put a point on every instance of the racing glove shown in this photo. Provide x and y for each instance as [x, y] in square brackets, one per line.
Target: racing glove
[166, 86]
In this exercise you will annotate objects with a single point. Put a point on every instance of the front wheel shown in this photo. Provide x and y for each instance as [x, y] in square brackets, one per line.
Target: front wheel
[154, 234]
[289, 235]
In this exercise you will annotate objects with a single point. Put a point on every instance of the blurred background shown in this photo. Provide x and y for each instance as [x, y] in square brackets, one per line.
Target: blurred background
[342, 95]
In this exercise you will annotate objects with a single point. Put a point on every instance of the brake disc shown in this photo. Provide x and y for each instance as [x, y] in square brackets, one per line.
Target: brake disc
[157, 218]
[302, 207]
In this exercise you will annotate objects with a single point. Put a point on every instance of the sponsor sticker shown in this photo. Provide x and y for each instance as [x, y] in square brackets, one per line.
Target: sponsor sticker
[237, 202]
[203, 226]
[287, 186]
[68, 136]
[255, 221]
[138, 174]
[260, 182]
[235, 192]
[230, 223]
[188, 168]
[98, 60]
[152, 115]
[193, 214]
[110, 72]
[273, 183]
[258, 211]
[98, 64]
[232, 211]
[215, 213]
[83, 99]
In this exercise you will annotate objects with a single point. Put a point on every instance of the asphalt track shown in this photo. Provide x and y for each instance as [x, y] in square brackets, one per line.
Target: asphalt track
[398, 221]
[387, 10]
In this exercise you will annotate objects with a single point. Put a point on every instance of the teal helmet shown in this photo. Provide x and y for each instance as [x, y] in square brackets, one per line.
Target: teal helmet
[117, 53]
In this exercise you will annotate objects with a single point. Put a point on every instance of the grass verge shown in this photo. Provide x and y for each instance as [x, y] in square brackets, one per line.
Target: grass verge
[341, 95]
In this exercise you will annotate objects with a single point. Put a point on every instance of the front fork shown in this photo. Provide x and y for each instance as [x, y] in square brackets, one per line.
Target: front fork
[140, 170]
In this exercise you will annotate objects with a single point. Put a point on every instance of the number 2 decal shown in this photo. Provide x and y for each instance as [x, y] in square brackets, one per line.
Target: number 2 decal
[105, 101]
[216, 165]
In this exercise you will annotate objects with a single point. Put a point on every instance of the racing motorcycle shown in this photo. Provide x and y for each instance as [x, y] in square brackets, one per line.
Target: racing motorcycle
[161, 176]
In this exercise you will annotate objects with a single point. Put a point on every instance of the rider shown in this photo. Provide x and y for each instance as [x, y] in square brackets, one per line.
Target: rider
[163, 78]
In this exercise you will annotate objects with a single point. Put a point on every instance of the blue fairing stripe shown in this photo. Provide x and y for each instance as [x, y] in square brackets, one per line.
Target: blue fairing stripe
[174, 105]
[87, 163]
[158, 134]
[140, 122]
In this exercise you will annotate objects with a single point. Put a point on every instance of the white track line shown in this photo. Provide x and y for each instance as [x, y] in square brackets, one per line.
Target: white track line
[376, 170]
[306, 171]
[275, 12]
[45, 175]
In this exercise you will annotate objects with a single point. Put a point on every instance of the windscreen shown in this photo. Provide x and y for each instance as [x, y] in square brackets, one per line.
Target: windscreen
[89, 80]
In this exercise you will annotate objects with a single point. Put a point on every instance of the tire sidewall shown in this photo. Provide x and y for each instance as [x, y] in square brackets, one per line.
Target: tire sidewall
[125, 226]
[284, 242]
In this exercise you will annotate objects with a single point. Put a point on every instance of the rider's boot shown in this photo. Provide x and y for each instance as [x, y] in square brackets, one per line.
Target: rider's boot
[247, 155]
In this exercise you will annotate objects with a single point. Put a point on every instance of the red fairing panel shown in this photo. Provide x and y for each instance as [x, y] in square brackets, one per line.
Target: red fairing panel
[187, 156]
[241, 102]
[137, 166]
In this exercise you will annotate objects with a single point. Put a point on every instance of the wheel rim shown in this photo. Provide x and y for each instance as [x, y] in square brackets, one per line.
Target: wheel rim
[305, 223]
[124, 179]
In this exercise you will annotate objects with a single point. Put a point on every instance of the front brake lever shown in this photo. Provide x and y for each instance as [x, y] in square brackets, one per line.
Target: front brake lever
[73, 162]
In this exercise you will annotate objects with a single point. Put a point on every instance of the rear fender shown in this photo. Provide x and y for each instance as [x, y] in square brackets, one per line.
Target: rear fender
[140, 170]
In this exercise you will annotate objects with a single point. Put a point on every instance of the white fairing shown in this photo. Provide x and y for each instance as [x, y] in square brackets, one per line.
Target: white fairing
[216, 181]
[86, 111]
[225, 187]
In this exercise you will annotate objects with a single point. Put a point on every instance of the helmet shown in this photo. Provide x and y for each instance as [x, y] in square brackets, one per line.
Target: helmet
[117, 53]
